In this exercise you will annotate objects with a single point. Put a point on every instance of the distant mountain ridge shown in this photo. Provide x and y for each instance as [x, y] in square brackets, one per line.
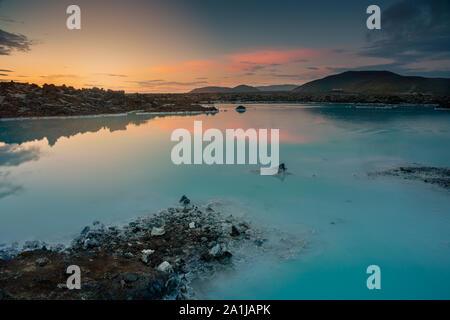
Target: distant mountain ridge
[350, 82]
[375, 82]
[238, 89]
[278, 87]
[245, 89]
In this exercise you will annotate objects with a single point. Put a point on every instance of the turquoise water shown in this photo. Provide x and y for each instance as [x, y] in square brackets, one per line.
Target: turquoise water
[57, 176]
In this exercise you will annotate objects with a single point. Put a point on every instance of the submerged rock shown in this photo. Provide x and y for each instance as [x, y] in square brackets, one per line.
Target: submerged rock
[219, 251]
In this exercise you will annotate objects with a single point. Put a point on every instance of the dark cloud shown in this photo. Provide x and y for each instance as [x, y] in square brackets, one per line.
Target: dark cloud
[10, 41]
[412, 31]
[4, 70]
[313, 68]
[14, 155]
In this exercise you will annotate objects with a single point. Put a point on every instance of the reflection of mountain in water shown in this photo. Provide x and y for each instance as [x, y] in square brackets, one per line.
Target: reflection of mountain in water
[53, 129]
[369, 113]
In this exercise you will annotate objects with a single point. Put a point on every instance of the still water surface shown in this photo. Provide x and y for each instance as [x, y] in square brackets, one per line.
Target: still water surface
[57, 176]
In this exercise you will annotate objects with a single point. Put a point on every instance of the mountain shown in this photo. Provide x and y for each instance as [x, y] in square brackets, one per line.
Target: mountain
[212, 90]
[375, 82]
[244, 88]
[239, 89]
[277, 87]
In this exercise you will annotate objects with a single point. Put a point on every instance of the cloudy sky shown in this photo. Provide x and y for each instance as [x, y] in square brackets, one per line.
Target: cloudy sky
[177, 45]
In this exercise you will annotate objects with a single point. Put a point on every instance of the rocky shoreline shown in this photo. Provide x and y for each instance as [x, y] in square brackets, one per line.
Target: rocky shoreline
[153, 257]
[431, 175]
[23, 100]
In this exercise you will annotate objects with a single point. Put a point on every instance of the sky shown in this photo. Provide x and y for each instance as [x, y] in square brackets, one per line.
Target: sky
[175, 46]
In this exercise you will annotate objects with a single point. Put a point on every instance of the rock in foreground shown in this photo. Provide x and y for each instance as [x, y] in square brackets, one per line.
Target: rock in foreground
[130, 262]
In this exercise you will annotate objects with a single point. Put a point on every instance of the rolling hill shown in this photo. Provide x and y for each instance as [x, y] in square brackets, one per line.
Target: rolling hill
[246, 89]
[277, 87]
[374, 82]
[239, 89]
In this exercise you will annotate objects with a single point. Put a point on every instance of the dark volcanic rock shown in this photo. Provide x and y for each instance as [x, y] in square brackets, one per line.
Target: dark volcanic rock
[129, 262]
[431, 175]
[19, 100]
[282, 168]
[241, 109]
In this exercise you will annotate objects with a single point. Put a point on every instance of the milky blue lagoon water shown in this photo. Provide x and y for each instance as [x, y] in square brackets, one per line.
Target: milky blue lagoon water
[57, 176]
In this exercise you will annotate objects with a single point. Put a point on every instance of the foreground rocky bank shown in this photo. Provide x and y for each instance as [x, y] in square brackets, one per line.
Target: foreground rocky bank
[153, 257]
[23, 100]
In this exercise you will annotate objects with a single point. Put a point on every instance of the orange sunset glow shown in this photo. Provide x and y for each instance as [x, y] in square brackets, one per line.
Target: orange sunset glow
[156, 47]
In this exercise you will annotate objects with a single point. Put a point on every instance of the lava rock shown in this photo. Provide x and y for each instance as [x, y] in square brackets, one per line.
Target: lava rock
[185, 200]
[241, 109]
[165, 267]
[130, 277]
[158, 231]
[282, 168]
[42, 262]
[146, 254]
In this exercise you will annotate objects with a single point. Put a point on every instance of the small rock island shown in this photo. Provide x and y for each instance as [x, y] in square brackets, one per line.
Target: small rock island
[241, 109]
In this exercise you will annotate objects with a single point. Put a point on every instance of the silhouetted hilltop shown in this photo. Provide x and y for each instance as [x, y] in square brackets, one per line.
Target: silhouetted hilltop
[277, 87]
[375, 82]
[246, 89]
[239, 89]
